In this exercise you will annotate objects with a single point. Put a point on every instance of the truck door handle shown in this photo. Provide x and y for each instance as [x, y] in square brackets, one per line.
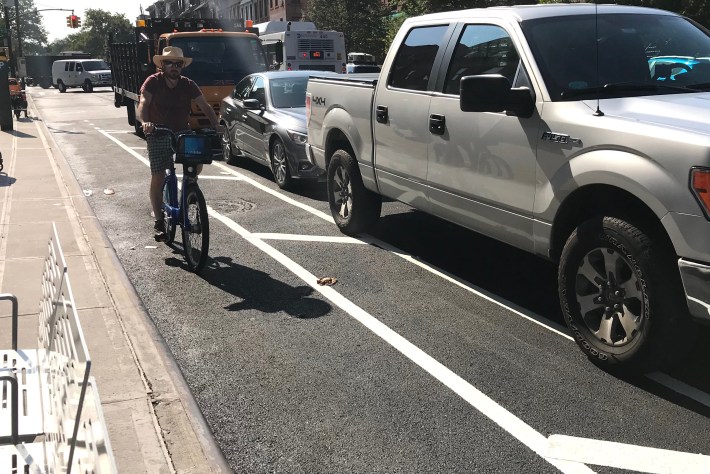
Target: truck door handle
[437, 124]
[381, 112]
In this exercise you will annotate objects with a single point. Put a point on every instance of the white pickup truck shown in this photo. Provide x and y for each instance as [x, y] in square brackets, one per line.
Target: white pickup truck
[577, 132]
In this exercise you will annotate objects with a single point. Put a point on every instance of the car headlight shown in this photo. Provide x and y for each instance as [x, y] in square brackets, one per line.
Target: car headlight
[297, 137]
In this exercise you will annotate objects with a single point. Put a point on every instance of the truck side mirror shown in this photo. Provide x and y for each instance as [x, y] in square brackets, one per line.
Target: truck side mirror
[493, 93]
[279, 52]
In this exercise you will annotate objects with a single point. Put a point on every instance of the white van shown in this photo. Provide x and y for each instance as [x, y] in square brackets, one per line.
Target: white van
[84, 73]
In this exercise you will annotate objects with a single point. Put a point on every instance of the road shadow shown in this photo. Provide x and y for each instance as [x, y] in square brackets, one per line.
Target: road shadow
[257, 290]
[6, 180]
[529, 282]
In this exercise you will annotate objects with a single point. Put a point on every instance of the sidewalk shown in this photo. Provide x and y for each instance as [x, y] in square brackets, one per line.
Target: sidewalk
[153, 422]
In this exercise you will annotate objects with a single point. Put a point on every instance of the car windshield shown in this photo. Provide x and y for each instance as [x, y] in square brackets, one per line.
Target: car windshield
[288, 92]
[219, 60]
[94, 65]
[619, 55]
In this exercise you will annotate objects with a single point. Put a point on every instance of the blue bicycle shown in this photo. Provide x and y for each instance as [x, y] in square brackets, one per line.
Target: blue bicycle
[186, 207]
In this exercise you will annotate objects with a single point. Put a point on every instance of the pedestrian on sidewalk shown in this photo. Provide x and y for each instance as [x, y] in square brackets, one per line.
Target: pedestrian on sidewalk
[166, 99]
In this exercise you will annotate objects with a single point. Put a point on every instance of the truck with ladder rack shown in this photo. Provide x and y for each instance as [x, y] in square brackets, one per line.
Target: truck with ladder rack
[222, 52]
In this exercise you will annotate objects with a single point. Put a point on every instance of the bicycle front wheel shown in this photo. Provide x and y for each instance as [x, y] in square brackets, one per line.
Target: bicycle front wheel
[196, 231]
[169, 199]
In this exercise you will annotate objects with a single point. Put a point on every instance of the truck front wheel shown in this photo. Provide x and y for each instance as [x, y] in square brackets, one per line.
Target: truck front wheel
[354, 208]
[622, 298]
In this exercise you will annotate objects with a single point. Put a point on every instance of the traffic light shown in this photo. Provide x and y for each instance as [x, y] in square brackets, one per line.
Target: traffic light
[70, 23]
[73, 21]
[77, 22]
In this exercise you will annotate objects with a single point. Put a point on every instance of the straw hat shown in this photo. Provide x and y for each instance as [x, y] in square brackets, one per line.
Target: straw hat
[171, 53]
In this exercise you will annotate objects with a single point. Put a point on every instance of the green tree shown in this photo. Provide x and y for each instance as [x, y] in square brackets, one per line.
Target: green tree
[32, 32]
[363, 22]
[96, 27]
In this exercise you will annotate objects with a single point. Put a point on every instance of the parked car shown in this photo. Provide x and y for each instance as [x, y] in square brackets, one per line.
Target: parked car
[265, 120]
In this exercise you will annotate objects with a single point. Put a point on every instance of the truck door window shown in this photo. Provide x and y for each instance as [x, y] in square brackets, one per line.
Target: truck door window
[413, 64]
[482, 49]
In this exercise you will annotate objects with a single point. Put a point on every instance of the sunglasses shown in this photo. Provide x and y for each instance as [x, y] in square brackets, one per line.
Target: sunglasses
[173, 63]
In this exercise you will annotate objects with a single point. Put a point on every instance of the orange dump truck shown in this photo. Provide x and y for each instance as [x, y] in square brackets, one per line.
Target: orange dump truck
[222, 53]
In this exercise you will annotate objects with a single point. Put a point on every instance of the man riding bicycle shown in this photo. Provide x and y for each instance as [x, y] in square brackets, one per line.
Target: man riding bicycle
[166, 98]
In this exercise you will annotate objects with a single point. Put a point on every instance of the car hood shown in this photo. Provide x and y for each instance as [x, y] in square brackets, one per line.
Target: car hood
[689, 112]
[294, 118]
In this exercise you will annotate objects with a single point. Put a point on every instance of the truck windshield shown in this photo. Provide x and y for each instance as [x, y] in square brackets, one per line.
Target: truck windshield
[621, 55]
[94, 65]
[219, 60]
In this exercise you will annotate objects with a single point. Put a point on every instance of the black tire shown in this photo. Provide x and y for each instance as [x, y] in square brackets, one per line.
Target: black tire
[87, 86]
[227, 152]
[169, 199]
[62, 88]
[196, 240]
[279, 164]
[354, 208]
[138, 127]
[622, 298]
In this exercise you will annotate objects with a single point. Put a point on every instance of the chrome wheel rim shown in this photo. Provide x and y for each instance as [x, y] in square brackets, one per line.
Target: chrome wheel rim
[342, 192]
[279, 162]
[610, 297]
[226, 146]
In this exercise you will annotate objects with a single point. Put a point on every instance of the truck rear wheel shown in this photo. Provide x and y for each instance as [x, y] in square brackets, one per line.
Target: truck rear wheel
[622, 298]
[354, 208]
[62, 88]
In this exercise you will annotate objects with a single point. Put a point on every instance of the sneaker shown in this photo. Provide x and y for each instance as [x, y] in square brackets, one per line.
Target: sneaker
[160, 232]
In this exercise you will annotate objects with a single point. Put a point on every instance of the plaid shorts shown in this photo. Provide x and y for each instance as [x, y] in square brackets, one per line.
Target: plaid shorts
[160, 153]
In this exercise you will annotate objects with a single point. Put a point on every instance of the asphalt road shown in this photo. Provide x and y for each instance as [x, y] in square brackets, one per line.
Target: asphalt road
[437, 350]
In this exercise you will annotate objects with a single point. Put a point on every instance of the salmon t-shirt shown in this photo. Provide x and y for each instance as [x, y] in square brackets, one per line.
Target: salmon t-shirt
[170, 106]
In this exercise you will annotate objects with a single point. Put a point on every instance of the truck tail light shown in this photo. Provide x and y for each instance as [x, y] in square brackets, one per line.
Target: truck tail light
[700, 185]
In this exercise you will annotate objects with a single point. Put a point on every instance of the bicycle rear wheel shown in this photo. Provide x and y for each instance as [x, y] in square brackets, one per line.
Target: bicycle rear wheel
[196, 232]
[169, 199]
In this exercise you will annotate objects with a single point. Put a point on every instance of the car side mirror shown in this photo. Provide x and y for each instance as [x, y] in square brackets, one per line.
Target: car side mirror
[252, 104]
[493, 93]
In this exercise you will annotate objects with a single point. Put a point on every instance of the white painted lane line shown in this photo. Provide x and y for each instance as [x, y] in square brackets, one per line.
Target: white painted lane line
[680, 387]
[626, 456]
[496, 413]
[118, 142]
[309, 238]
[268, 190]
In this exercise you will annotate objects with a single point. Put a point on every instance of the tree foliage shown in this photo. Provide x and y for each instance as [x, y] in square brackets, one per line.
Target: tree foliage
[96, 27]
[363, 22]
[32, 32]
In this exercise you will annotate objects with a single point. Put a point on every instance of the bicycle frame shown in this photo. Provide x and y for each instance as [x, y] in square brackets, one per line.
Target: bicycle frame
[174, 208]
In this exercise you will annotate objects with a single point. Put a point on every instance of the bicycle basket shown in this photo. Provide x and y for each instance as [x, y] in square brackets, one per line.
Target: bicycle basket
[193, 149]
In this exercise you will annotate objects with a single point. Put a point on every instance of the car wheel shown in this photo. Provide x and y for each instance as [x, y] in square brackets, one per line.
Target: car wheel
[227, 152]
[62, 88]
[138, 127]
[87, 86]
[354, 208]
[622, 298]
[279, 164]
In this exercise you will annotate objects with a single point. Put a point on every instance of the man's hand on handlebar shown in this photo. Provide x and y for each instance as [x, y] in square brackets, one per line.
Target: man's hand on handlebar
[148, 127]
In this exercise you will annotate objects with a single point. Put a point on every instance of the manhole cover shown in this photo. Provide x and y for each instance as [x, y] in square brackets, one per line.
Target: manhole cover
[231, 206]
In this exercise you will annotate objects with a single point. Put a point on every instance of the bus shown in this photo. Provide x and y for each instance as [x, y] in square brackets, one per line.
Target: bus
[298, 45]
